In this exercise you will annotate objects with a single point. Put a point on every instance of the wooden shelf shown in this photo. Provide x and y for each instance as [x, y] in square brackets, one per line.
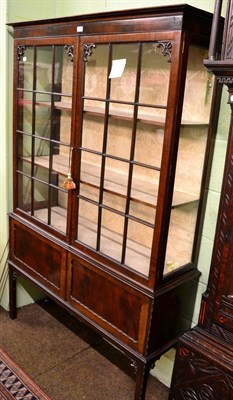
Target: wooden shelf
[116, 113]
[145, 117]
[142, 191]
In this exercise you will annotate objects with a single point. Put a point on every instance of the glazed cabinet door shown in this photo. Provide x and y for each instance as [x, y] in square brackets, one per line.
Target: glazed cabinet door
[43, 126]
[131, 104]
[130, 125]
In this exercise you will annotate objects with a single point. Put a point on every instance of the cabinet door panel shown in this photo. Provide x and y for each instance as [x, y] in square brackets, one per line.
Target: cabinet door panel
[116, 307]
[44, 93]
[40, 258]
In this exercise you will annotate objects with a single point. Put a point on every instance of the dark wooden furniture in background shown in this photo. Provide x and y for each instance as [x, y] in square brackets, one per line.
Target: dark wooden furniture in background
[204, 362]
[111, 138]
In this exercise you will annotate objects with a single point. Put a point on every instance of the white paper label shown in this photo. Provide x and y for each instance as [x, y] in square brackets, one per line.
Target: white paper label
[80, 28]
[117, 69]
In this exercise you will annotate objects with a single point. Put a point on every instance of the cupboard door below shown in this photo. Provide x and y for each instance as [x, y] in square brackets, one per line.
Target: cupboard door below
[40, 258]
[114, 306]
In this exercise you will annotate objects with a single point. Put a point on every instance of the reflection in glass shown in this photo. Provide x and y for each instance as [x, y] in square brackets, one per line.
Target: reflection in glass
[24, 166]
[42, 149]
[41, 173]
[24, 146]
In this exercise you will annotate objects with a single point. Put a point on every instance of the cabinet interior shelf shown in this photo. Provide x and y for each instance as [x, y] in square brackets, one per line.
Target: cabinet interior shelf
[117, 113]
[142, 191]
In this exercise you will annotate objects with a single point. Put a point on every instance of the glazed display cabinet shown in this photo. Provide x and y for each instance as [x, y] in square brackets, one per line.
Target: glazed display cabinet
[111, 138]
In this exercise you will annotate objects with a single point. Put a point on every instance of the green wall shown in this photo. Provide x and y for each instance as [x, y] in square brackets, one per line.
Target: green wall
[23, 10]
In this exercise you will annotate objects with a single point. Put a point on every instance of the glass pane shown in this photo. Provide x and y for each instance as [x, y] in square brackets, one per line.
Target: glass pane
[25, 78]
[43, 115]
[59, 214]
[186, 196]
[142, 211]
[41, 195]
[41, 173]
[123, 71]
[90, 168]
[24, 192]
[117, 202]
[112, 234]
[198, 88]
[87, 223]
[149, 142]
[119, 138]
[60, 158]
[116, 176]
[92, 132]
[61, 129]
[24, 112]
[138, 247]
[145, 183]
[44, 55]
[89, 192]
[155, 75]
[96, 72]
[152, 115]
[24, 167]
[42, 149]
[63, 103]
[180, 237]
[24, 146]
[63, 74]
[190, 161]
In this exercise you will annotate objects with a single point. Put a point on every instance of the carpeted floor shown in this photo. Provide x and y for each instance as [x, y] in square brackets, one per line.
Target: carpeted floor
[67, 360]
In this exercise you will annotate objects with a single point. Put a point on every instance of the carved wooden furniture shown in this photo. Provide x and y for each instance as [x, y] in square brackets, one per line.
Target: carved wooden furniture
[111, 127]
[204, 362]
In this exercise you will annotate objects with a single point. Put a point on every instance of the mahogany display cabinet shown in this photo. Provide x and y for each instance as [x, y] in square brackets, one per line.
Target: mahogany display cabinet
[111, 138]
[204, 361]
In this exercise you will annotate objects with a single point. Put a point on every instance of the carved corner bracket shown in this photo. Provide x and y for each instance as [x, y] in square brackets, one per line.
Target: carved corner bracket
[88, 50]
[70, 52]
[20, 52]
